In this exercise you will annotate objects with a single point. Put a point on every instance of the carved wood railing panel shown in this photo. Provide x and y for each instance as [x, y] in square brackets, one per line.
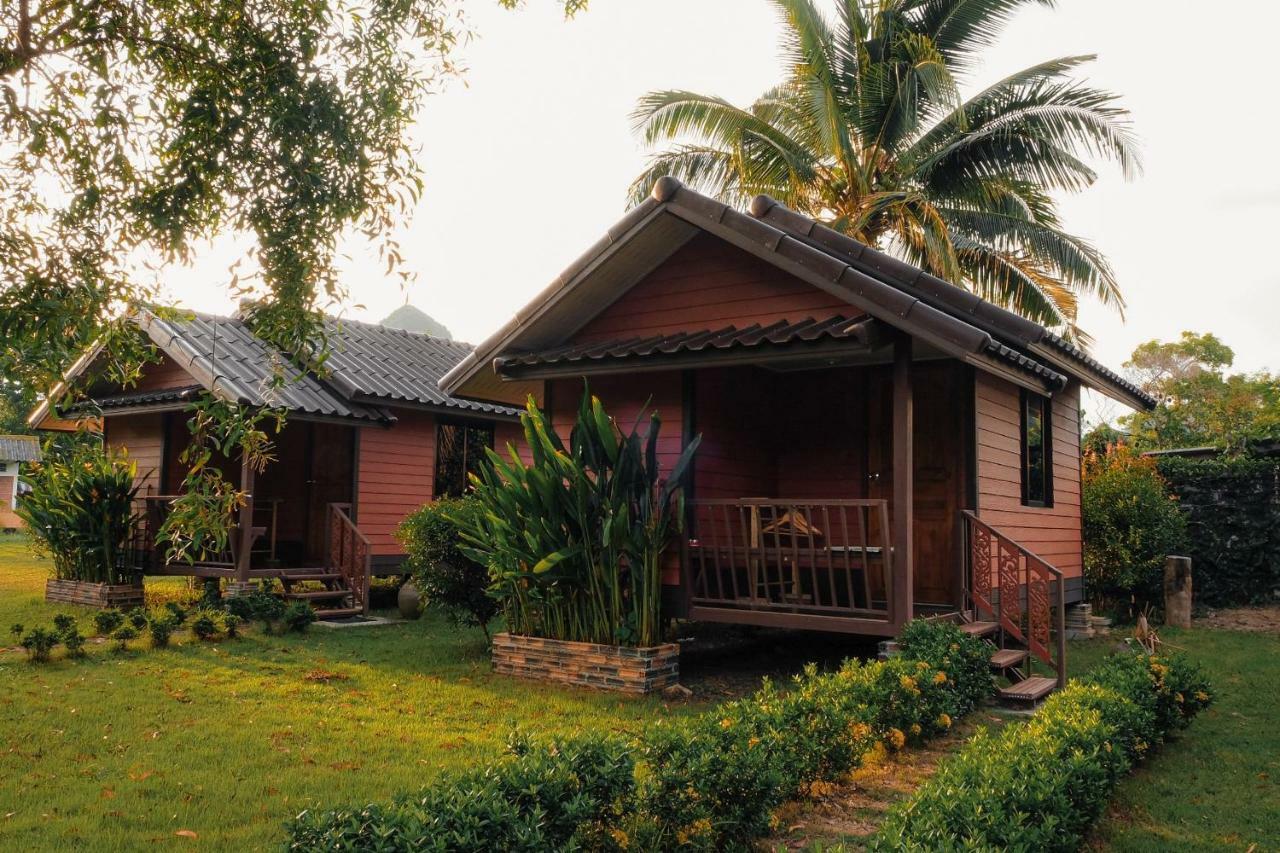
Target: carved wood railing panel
[1031, 603]
[347, 553]
[796, 557]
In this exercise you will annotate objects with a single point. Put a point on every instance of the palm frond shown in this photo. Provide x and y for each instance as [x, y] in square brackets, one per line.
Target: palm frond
[962, 29]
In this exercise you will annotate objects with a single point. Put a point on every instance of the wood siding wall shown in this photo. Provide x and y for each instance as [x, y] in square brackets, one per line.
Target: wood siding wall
[709, 284]
[1052, 533]
[395, 474]
[164, 374]
[142, 436]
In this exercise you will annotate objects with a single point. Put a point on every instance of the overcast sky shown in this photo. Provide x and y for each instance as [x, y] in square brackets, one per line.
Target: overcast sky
[528, 162]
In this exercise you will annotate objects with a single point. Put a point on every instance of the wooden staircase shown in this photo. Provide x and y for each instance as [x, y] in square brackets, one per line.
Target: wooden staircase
[1015, 601]
[339, 589]
[327, 592]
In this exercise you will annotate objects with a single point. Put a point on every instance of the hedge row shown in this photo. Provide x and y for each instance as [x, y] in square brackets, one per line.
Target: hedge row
[1233, 526]
[1042, 784]
[712, 782]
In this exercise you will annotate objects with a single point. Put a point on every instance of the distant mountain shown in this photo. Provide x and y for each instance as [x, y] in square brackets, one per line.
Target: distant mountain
[411, 319]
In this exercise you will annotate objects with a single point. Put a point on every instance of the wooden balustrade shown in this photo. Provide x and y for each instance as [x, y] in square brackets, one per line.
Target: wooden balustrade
[1021, 592]
[347, 552]
[788, 562]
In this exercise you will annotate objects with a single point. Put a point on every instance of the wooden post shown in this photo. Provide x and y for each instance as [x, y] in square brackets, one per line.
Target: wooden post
[1177, 592]
[903, 485]
[245, 531]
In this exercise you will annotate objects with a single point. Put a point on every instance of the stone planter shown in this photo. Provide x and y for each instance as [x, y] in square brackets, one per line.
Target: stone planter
[123, 596]
[623, 668]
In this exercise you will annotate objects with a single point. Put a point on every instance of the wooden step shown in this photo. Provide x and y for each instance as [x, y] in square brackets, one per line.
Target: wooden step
[1029, 689]
[1005, 658]
[338, 613]
[318, 595]
[298, 577]
[980, 629]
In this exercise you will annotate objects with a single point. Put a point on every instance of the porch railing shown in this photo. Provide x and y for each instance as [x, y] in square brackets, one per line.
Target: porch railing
[1026, 596]
[148, 555]
[347, 553]
[789, 558]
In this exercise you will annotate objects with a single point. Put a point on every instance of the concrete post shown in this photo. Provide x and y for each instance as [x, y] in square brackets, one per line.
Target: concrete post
[1177, 592]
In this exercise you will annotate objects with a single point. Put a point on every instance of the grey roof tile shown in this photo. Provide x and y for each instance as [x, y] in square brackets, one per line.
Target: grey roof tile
[19, 448]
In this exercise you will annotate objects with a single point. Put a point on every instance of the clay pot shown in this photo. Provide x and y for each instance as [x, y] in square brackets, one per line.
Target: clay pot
[409, 600]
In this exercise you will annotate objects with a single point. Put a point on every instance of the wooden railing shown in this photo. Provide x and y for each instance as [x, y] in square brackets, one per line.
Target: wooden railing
[789, 559]
[347, 552]
[1013, 587]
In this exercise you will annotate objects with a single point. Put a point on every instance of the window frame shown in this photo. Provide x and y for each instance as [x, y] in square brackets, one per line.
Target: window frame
[465, 425]
[1024, 448]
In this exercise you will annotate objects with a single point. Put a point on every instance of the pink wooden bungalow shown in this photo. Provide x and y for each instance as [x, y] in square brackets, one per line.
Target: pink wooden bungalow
[363, 446]
[876, 442]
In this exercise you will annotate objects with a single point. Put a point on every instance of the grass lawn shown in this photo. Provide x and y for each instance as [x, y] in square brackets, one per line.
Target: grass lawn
[227, 740]
[1217, 787]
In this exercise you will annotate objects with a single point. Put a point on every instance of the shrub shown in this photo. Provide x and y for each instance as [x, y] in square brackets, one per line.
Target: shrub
[161, 626]
[446, 577]
[38, 643]
[258, 606]
[709, 783]
[63, 623]
[73, 640]
[231, 623]
[177, 611]
[204, 624]
[123, 635]
[137, 617]
[575, 539]
[80, 512]
[1041, 785]
[1233, 518]
[966, 658]
[106, 621]
[1131, 523]
[298, 616]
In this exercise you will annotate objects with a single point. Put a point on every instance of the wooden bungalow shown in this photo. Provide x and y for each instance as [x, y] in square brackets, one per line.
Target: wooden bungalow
[876, 442]
[363, 446]
[14, 451]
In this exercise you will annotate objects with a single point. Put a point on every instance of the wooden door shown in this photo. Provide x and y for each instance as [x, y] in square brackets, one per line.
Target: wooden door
[331, 479]
[939, 476]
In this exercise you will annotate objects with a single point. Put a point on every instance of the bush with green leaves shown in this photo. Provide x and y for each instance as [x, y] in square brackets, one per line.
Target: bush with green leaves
[713, 782]
[80, 512]
[205, 624]
[64, 622]
[107, 620]
[137, 617]
[123, 635]
[261, 605]
[298, 616]
[231, 624]
[575, 538]
[1040, 785]
[1131, 523]
[177, 611]
[38, 643]
[446, 577]
[161, 626]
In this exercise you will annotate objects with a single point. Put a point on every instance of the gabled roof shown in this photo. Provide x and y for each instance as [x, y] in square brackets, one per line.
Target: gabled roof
[19, 448]
[949, 320]
[368, 369]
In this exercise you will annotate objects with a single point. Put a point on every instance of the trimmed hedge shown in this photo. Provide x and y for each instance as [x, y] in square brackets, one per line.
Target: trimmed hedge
[1233, 523]
[1042, 784]
[712, 782]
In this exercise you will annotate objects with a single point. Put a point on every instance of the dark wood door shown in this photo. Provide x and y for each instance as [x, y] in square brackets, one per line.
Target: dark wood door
[331, 480]
[940, 466]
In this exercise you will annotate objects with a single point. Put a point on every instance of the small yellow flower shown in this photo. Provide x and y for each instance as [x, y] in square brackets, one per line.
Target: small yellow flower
[859, 730]
[1107, 746]
[1179, 697]
[897, 738]
[908, 683]
[944, 720]
[915, 729]
[726, 723]
[940, 677]
[620, 838]
[682, 837]
[1201, 696]
[752, 742]
[921, 665]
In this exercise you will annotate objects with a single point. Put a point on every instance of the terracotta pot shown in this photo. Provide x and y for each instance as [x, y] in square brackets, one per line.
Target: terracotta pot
[409, 600]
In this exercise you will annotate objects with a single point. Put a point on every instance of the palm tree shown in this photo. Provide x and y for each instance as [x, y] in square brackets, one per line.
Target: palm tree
[870, 135]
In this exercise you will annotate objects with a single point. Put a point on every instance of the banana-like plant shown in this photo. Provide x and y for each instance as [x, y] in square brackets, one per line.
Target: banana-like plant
[575, 538]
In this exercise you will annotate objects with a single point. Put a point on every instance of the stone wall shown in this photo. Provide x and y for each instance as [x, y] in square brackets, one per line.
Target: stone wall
[587, 664]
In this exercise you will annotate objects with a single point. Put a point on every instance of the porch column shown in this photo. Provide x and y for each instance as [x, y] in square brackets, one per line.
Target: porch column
[903, 486]
[245, 530]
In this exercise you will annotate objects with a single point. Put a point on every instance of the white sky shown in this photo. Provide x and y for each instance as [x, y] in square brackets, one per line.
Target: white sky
[535, 148]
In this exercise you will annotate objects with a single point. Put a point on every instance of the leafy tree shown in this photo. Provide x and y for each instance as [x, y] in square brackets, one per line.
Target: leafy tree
[130, 132]
[1201, 404]
[869, 134]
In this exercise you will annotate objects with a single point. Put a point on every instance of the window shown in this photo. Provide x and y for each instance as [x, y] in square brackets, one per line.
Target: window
[459, 451]
[1037, 462]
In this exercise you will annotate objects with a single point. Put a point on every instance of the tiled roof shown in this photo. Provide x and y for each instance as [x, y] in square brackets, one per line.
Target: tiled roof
[781, 333]
[19, 448]
[132, 399]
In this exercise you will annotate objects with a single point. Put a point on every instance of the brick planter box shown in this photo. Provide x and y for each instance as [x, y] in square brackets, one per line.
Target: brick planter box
[124, 595]
[622, 668]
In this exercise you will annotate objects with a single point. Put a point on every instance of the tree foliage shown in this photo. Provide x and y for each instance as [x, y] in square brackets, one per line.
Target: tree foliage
[869, 133]
[1201, 403]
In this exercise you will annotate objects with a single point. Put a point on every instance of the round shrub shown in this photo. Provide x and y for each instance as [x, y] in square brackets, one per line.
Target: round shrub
[204, 625]
[298, 616]
[161, 625]
[446, 577]
[106, 621]
[123, 635]
[1131, 523]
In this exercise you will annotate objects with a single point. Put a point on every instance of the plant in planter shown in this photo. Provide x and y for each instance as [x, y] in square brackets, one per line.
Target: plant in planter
[80, 513]
[575, 539]
[447, 577]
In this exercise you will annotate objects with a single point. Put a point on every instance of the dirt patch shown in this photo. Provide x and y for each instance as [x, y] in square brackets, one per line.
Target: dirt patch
[1262, 620]
[854, 809]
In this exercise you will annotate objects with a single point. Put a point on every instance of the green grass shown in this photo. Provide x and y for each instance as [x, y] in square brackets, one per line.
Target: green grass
[1217, 786]
[229, 739]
